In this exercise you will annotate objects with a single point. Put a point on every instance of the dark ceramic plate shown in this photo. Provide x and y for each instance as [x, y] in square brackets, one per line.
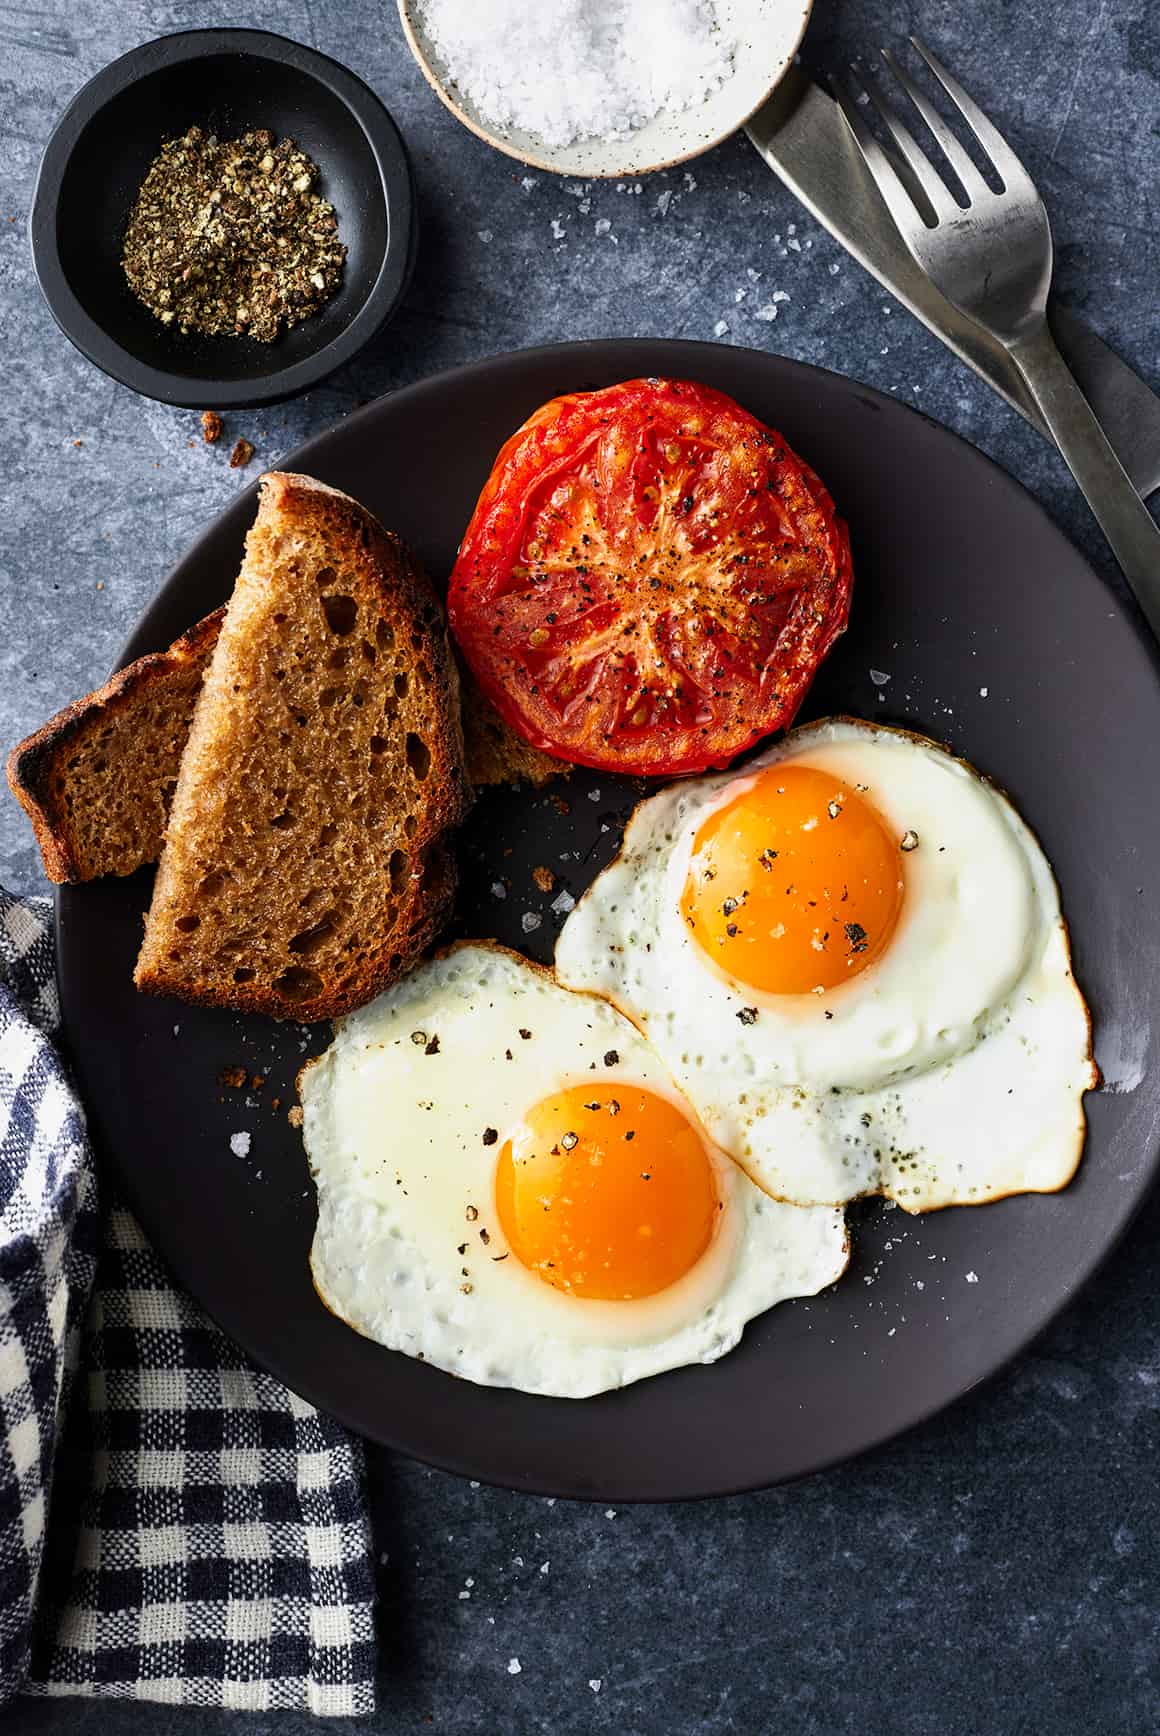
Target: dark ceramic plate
[998, 639]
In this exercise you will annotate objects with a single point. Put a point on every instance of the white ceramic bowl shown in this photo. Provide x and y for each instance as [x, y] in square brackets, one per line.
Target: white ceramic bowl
[767, 33]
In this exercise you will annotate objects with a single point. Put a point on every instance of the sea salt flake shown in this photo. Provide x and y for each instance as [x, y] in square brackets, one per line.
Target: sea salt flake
[530, 921]
[768, 312]
[879, 677]
[498, 889]
[972, 1277]
[563, 903]
[720, 329]
[596, 1683]
[240, 1144]
[581, 71]
[558, 230]
[484, 234]
[514, 1667]
[603, 225]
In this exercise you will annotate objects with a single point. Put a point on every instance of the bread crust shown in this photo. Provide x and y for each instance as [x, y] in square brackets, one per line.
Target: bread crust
[33, 764]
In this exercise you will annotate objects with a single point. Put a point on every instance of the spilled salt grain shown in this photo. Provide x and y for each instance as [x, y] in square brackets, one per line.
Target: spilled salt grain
[579, 69]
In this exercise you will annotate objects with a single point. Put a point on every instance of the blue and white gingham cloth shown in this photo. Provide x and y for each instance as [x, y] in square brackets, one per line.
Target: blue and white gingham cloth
[196, 1534]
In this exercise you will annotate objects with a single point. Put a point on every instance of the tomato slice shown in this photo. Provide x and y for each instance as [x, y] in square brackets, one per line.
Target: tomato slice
[649, 580]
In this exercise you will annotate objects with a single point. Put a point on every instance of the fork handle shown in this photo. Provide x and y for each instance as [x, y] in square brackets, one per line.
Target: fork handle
[1106, 486]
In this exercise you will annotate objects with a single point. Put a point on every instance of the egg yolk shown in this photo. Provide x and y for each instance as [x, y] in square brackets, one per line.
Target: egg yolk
[795, 885]
[607, 1192]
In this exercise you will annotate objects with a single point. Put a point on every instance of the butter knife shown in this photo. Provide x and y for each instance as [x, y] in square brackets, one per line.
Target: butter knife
[800, 134]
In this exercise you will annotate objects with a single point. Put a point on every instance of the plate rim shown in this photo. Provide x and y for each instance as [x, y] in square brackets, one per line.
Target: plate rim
[145, 636]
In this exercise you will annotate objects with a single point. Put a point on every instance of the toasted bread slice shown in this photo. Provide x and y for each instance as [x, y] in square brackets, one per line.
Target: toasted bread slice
[495, 753]
[96, 781]
[324, 760]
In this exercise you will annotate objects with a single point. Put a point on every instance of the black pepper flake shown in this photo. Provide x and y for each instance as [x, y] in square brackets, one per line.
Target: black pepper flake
[747, 1015]
[909, 841]
[856, 935]
[419, 1038]
[496, 1258]
[611, 1058]
[462, 1249]
[631, 1134]
[231, 237]
[484, 1237]
[729, 906]
[731, 929]
[525, 1034]
[490, 1135]
[432, 1047]
[569, 1141]
[472, 1214]
[613, 1106]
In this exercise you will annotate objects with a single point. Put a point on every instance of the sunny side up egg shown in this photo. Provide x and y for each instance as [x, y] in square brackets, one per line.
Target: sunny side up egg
[511, 1188]
[852, 960]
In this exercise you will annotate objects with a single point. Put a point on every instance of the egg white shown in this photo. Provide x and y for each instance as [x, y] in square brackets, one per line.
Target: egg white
[394, 1130]
[951, 1069]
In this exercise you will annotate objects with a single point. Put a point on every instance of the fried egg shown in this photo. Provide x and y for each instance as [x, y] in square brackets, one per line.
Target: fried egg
[852, 960]
[511, 1188]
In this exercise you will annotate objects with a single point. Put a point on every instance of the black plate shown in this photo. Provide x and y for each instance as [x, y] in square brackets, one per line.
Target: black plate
[996, 638]
[228, 82]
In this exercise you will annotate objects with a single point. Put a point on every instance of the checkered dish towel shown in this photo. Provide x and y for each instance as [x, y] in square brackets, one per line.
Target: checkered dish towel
[209, 1542]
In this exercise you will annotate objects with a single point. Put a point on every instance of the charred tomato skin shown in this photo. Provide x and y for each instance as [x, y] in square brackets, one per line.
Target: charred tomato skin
[649, 580]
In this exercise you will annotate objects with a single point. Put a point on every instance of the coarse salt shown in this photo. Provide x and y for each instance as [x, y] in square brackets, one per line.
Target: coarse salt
[568, 70]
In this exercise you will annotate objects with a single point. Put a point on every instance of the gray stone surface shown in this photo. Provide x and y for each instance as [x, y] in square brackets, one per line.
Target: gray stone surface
[999, 1568]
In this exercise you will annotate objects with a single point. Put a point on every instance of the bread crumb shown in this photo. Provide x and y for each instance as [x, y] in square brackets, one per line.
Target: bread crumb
[211, 426]
[543, 877]
[233, 1077]
[242, 453]
[294, 1115]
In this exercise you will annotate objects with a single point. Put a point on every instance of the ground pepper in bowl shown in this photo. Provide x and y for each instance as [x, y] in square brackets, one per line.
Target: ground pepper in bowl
[231, 236]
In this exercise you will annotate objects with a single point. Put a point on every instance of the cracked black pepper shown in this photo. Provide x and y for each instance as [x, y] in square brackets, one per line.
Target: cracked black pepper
[230, 236]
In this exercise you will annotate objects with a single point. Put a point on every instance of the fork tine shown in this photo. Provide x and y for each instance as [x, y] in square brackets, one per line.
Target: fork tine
[973, 183]
[928, 178]
[1006, 164]
[900, 200]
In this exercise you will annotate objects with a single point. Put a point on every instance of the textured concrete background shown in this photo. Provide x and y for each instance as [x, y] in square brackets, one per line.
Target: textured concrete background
[999, 1568]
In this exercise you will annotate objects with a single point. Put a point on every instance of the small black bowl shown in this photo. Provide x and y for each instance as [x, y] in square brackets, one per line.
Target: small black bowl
[228, 82]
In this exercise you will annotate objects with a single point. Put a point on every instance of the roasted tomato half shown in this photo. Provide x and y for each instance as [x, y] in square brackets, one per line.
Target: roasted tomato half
[649, 580]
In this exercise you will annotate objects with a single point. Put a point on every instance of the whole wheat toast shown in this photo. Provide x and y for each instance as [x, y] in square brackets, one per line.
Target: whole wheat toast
[324, 763]
[96, 781]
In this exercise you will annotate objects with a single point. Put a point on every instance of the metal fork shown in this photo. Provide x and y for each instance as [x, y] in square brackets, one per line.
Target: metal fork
[993, 259]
